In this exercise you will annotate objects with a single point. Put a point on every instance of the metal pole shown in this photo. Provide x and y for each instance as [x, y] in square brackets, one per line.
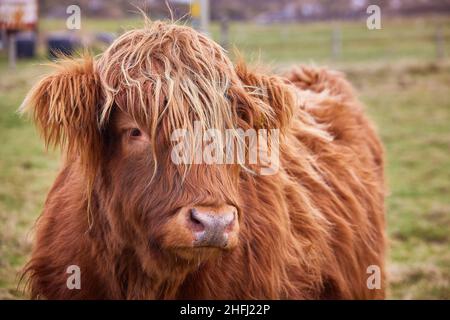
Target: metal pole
[204, 16]
[12, 50]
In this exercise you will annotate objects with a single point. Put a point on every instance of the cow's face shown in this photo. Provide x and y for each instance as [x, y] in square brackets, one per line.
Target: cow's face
[116, 118]
[165, 210]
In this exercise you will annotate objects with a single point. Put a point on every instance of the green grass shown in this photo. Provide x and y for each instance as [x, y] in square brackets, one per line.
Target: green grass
[406, 94]
[26, 172]
[411, 106]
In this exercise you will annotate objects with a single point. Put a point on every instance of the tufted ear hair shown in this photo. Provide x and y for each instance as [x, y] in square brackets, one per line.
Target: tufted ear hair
[274, 92]
[64, 106]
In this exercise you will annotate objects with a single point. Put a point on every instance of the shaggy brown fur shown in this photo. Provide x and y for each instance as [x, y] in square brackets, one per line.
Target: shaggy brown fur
[308, 232]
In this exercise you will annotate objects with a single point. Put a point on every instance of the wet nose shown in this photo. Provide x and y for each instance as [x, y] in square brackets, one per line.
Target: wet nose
[212, 229]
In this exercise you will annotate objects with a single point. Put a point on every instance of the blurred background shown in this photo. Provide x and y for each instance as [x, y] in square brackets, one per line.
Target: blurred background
[401, 72]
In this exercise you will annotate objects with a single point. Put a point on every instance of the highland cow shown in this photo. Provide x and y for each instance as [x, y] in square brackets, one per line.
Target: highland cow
[140, 226]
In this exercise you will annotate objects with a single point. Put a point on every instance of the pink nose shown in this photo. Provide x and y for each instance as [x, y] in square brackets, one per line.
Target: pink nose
[212, 228]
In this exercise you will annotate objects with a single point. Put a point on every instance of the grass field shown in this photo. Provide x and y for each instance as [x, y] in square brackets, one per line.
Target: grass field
[406, 92]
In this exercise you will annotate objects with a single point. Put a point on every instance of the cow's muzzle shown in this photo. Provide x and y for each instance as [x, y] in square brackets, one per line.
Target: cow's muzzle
[210, 226]
[212, 229]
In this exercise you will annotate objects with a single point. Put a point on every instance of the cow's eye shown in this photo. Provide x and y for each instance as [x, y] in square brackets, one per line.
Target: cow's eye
[135, 132]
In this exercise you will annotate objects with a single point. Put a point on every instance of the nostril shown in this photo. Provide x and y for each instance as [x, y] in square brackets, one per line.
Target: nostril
[230, 221]
[195, 222]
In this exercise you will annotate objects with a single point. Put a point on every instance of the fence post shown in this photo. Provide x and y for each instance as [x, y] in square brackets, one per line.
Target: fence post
[224, 32]
[12, 49]
[439, 40]
[336, 43]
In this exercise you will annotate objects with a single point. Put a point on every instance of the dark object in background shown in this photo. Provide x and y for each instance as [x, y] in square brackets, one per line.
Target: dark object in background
[105, 37]
[60, 44]
[25, 45]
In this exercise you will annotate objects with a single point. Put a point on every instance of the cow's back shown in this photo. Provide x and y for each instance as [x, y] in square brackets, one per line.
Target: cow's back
[351, 196]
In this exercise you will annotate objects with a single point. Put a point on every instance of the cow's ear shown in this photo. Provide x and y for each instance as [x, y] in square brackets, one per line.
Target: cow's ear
[64, 106]
[276, 97]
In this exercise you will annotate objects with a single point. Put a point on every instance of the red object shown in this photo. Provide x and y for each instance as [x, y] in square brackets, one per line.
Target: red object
[17, 15]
